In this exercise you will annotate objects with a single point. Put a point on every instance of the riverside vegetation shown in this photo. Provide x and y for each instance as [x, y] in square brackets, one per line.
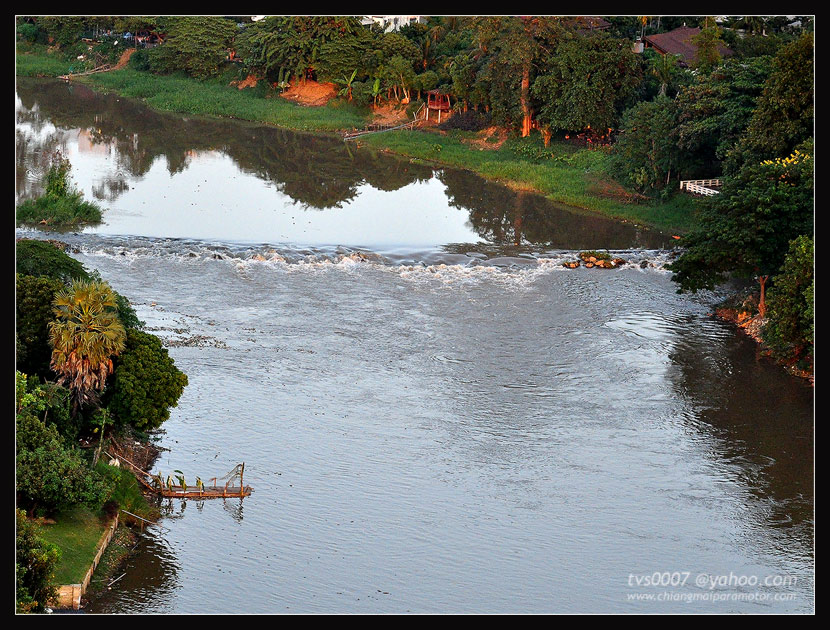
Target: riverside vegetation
[86, 374]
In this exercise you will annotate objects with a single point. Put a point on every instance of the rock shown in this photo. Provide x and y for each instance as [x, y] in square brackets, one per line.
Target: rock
[589, 264]
[643, 264]
[619, 261]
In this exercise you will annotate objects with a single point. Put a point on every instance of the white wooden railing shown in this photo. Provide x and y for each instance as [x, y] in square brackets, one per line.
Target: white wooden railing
[701, 186]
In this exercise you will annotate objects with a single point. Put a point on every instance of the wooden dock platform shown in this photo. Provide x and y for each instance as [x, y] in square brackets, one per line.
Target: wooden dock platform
[155, 484]
[208, 492]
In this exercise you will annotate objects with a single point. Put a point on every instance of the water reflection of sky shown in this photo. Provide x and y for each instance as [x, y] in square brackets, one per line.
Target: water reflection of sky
[158, 175]
[213, 199]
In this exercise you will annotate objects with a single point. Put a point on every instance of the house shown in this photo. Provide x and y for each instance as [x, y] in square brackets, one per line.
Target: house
[679, 42]
[391, 23]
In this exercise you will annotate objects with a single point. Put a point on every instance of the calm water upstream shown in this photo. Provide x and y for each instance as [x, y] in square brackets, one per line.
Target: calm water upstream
[435, 415]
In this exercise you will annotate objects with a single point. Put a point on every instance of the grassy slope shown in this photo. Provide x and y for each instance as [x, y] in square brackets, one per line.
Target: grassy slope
[572, 180]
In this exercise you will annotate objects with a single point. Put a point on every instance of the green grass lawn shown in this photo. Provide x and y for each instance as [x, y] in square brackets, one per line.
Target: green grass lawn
[76, 532]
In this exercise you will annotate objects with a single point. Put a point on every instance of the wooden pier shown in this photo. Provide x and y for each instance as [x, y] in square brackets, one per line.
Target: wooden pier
[380, 127]
[155, 484]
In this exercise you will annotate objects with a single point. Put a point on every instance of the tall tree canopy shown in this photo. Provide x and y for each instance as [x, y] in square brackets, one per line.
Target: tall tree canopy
[587, 81]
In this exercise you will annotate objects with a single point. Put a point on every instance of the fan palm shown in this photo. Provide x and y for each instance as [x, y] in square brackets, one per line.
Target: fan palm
[85, 335]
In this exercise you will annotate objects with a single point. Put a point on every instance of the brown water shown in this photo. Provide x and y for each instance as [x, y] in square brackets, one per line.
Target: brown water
[448, 422]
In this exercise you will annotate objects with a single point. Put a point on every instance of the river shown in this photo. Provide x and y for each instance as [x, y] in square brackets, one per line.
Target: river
[435, 415]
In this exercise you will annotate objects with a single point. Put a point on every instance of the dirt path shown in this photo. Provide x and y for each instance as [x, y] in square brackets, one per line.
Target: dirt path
[125, 57]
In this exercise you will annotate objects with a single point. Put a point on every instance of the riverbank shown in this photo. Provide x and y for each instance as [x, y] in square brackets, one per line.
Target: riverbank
[578, 177]
[741, 310]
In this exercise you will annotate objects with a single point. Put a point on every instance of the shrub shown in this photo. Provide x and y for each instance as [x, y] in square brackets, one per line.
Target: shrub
[43, 258]
[35, 563]
[140, 60]
[790, 329]
[145, 383]
[49, 475]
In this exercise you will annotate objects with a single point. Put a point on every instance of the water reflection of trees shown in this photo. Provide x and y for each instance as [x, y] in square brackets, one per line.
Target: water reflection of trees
[504, 216]
[316, 171]
[761, 420]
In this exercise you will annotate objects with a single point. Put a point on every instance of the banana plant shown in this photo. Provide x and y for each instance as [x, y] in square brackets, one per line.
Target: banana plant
[348, 89]
[376, 90]
[180, 479]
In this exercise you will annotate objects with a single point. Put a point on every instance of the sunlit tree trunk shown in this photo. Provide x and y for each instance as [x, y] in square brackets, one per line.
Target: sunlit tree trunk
[525, 99]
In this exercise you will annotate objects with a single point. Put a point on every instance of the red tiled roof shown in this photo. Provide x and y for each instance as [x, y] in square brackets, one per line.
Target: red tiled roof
[679, 42]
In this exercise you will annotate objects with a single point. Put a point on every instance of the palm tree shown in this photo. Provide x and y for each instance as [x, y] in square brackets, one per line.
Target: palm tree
[85, 335]
[664, 68]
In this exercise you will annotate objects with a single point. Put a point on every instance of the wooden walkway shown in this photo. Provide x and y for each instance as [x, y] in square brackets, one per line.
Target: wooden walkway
[705, 187]
[153, 484]
[379, 127]
[105, 68]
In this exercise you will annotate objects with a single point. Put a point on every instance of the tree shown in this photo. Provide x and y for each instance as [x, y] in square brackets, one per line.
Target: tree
[587, 82]
[783, 117]
[790, 329]
[49, 475]
[294, 43]
[707, 43]
[43, 258]
[64, 30]
[34, 312]
[645, 155]
[515, 45]
[85, 336]
[746, 229]
[145, 383]
[35, 562]
[664, 67]
[198, 45]
[716, 109]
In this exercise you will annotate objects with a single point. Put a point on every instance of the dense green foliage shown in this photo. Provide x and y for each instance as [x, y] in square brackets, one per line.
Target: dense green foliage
[783, 117]
[145, 383]
[50, 475]
[196, 44]
[790, 329]
[34, 312]
[35, 561]
[646, 155]
[42, 258]
[746, 230]
[588, 81]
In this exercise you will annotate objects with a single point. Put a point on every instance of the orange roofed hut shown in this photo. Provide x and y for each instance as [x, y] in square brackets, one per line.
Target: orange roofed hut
[437, 100]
